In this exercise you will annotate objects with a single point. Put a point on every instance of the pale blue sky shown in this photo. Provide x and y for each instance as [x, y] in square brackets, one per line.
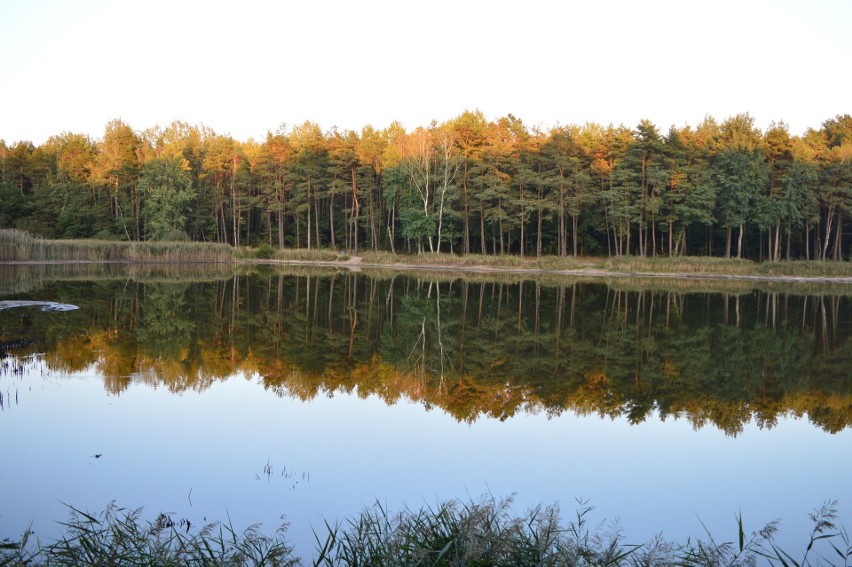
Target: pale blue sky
[245, 68]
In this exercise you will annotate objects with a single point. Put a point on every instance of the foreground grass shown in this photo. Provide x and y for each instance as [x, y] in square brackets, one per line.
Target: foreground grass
[483, 532]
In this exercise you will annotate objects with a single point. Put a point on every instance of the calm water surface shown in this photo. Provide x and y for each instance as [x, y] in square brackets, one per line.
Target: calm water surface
[314, 394]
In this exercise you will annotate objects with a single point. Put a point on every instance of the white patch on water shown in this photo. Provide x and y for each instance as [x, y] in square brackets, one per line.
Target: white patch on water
[45, 305]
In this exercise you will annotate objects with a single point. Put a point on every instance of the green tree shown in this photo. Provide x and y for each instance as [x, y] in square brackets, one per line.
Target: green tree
[271, 169]
[740, 173]
[308, 174]
[570, 178]
[167, 187]
[116, 167]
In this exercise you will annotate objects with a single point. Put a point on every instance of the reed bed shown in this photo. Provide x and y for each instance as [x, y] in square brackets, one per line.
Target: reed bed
[452, 533]
[19, 246]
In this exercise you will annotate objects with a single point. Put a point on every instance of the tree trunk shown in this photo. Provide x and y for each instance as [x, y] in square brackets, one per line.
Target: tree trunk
[466, 209]
[483, 246]
[740, 242]
[778, 242]
[828, 221]
[522, 218]
[234, 212]
[838, 240]
[788, 243]
[500, 224]
[538, 236]
[670, 238]
[281, 228]
[392, 228]
[574, 233]
[807, 240]
[374, 231]
[331, 221]
[316, 222]
[728, 243]
[653, 235]
[309, 222]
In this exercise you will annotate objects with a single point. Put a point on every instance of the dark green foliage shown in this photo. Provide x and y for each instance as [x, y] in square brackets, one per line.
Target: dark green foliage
[467, 185]
[264, 251]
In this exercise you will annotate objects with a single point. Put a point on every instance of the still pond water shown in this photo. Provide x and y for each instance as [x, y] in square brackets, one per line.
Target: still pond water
[314, 394]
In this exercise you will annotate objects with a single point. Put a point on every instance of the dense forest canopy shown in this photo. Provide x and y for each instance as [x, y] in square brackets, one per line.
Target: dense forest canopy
[468, 185]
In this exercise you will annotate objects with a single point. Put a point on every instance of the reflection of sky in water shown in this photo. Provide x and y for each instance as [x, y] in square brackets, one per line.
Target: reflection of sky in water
[162, 451]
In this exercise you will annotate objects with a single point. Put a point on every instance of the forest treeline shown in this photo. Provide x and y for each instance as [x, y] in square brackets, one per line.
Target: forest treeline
[468, 185]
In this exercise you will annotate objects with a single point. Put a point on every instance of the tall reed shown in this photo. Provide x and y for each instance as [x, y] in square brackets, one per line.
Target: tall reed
[19, 246]
[453, 533]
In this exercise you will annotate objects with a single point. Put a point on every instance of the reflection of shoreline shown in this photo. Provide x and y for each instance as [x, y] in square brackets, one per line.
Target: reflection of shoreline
[356, 264]
[475, 349]
[591, 273]
[468, 399]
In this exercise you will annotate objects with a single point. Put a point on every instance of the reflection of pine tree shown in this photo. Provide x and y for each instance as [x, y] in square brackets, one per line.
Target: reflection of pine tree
[166, 325]
[472, 348]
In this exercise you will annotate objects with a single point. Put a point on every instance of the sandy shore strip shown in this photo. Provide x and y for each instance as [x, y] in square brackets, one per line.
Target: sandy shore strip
[357, 264]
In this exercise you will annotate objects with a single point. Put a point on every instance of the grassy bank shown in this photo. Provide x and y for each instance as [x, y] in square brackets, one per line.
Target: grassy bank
[484, 532]
[18, 246]
[730, 266]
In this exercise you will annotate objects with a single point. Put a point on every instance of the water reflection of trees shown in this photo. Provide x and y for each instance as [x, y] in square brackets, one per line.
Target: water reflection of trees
[472, 348]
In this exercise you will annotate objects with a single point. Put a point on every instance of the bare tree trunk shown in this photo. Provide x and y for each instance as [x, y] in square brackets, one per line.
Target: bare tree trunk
[574, 234]
[538, 235]
[828, 221]
[788, 243]
[331, 220]
[728, 243]
[234, 211]
[653, 235]
[281, 228]
[807, 240]
[309, 215]
[466, 209]
[316, 222]
[392, 228]
[670, 238]
[838, 239]
[740, 241]
[522, 218]
[483, 245]
[563, 239]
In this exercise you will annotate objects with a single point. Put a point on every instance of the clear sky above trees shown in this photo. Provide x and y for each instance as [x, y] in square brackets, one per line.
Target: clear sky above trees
[245, 68]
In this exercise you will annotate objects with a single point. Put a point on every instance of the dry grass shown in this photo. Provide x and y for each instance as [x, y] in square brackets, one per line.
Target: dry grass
[729, 266]
[19, 246]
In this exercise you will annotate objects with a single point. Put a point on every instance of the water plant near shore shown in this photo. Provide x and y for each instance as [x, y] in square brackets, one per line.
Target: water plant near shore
[453, 533]
[19, 246]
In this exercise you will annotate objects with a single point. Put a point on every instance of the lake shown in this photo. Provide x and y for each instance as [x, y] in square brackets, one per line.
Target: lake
[666, 405]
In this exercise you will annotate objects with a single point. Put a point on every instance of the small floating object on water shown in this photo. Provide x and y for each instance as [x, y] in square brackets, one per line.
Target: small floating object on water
[48, 306]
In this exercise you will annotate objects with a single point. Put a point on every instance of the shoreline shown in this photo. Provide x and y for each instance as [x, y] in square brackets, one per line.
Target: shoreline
[356, 264]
